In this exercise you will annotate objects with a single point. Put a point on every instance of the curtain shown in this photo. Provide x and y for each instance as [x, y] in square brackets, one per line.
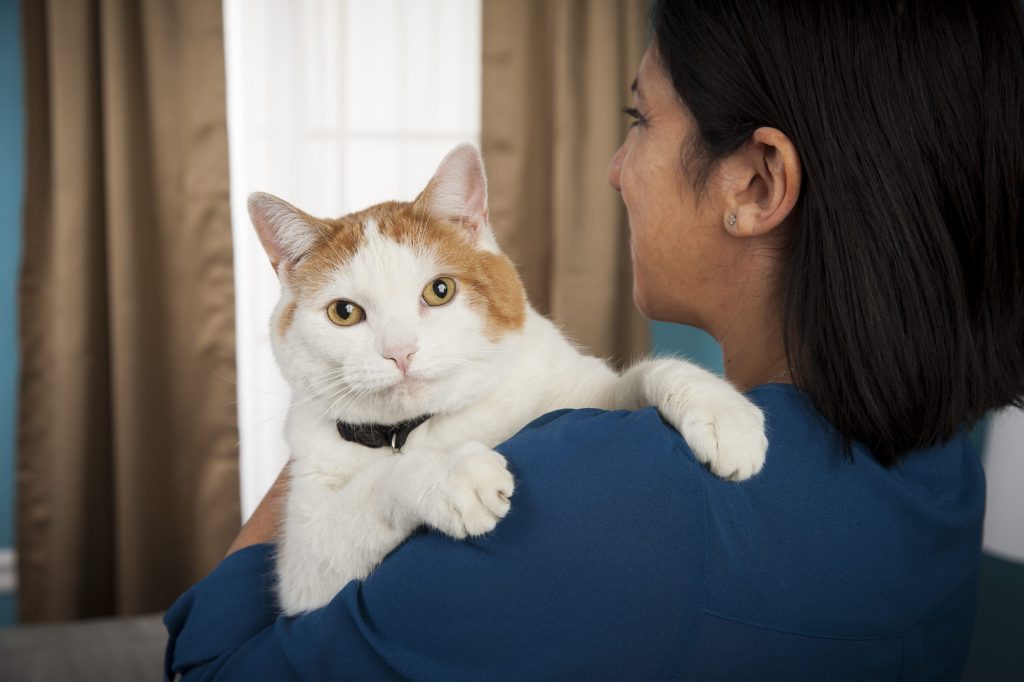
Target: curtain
[555, 78]
[127, 487]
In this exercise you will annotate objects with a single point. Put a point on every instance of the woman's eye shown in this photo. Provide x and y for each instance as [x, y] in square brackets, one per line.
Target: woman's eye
[634, 113]
[439, 292]
[345, 313]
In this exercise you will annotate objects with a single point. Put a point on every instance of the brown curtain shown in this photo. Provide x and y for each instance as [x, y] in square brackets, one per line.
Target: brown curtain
[127, 463]
[555, 78]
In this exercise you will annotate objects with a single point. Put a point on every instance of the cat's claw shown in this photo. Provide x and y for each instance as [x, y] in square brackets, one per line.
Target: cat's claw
[474, 497]
[725, 432]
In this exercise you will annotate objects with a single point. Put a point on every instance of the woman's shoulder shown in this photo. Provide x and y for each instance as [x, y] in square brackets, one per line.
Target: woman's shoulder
[603, 463]
[604, 480]
[626, 444]
[824, 542]
[804, 450]
[603, 438]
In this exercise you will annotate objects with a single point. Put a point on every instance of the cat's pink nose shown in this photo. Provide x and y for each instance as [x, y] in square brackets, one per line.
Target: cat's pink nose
[401, 355]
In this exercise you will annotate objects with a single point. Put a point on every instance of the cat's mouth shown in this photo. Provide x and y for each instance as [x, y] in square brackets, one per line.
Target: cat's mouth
[407, 384]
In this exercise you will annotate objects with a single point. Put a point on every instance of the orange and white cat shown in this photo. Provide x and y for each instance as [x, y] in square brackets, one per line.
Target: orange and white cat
[406, 311]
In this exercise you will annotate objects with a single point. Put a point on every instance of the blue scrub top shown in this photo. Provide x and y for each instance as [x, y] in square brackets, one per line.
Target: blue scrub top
[623, 558]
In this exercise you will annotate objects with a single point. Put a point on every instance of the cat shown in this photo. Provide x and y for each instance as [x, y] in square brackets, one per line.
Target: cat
[410, 310]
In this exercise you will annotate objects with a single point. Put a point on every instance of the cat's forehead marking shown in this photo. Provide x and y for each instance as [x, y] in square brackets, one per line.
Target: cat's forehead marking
[286, 317]
[370, 228]
[488, 279]
[343, 239]
[384, 272]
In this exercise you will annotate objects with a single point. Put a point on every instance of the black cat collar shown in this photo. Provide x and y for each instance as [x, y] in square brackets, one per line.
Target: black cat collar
[379, 435]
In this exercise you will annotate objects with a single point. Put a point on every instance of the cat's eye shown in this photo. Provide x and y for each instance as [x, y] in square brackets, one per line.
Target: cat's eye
[439, 292]
[345, 313]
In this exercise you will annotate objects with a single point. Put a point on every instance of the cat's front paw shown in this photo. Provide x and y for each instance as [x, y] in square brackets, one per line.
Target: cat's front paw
[724, 430]
[473, 496]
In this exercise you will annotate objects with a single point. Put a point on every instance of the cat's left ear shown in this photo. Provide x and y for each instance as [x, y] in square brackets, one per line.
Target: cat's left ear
[458, 194]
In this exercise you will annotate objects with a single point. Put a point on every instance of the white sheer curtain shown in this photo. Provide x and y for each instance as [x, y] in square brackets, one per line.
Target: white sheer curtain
[333, 105]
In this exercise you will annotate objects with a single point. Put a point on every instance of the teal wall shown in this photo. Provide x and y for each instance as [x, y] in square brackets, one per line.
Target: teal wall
[11, 171]
[692, 343]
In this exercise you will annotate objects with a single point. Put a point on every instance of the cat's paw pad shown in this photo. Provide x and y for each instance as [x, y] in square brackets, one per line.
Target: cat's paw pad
[726, 433]
[473, 497]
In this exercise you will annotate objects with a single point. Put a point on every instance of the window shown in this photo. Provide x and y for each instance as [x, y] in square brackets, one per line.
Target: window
[333, 105]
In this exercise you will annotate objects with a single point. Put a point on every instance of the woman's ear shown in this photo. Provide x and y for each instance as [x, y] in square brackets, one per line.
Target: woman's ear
[761, 183]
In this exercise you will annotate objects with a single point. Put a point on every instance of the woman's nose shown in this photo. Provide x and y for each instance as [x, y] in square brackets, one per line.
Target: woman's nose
[615, 168]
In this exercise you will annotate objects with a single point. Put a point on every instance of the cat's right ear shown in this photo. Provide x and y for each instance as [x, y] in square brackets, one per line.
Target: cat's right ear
[286, 233]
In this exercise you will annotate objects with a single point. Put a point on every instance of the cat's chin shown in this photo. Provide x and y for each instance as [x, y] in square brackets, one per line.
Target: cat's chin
[406, 398]
[408, 387]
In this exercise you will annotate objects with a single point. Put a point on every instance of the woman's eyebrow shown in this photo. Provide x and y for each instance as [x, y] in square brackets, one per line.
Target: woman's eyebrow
[635, 89]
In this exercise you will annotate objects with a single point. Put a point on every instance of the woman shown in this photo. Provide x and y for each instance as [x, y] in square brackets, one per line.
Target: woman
[833, 190]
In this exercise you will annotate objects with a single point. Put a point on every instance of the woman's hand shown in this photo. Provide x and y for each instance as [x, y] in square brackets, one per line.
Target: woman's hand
[263, 525]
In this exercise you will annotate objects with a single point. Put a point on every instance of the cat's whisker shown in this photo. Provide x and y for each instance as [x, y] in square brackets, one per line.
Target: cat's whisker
[348, 395]
[339, 371]
[246, 387]
[329, 382]
[325, 393]
[333, 390]
[249, 432]
[279, 413]
[474, 362]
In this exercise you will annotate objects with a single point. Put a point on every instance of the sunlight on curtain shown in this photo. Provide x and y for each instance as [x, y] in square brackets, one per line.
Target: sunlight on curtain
[332, 105]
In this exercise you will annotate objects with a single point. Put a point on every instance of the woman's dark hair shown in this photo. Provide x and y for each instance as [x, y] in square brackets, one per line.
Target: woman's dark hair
[901, 283]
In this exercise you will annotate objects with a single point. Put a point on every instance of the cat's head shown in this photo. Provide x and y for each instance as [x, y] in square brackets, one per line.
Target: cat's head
[398, 310]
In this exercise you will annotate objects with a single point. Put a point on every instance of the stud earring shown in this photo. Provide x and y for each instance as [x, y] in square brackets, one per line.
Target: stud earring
[731, 220]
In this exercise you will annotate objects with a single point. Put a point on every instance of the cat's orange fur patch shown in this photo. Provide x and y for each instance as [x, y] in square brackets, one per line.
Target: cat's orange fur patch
[488, 279]
[340, 240]
[285, 320]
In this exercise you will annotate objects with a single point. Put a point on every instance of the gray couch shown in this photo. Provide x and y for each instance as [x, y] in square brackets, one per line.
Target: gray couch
[113, 649]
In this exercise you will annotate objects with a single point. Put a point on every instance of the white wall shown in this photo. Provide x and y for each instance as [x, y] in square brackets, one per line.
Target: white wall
[1004, 473]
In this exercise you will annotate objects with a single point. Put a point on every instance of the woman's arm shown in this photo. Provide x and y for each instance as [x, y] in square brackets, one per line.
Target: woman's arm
[262, 526]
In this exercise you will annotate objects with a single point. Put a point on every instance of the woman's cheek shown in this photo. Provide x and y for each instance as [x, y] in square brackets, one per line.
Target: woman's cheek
[633, 203]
